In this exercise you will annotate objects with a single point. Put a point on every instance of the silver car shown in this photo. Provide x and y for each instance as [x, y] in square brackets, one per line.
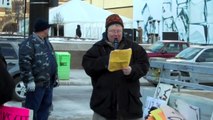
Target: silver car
[199, 54]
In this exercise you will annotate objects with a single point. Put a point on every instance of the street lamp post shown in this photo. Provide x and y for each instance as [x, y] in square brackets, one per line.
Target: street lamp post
[25, 11]
[38, 9]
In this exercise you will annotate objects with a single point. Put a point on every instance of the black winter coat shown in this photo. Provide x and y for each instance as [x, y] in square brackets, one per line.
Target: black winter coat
[78, 32]
[7, 83]
[113, 92]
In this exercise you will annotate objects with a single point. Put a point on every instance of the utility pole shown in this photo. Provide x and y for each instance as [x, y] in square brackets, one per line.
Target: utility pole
[40, 9]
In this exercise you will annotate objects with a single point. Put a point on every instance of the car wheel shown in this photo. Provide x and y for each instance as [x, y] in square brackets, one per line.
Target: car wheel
[20, 90]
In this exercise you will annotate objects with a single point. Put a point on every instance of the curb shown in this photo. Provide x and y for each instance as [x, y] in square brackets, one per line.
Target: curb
[86, 81]
[74, 82]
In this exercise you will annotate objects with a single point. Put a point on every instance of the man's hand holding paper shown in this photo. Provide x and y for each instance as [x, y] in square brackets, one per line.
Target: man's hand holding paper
[119, 59]
[127, 70]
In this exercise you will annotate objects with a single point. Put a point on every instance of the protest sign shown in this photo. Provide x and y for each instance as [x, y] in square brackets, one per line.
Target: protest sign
[171, 114]
[152, 102]
[15, 113]
[163, 92]
[184, 108]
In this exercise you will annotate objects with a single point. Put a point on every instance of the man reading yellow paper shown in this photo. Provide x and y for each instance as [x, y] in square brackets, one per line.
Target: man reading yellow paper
[115, 65]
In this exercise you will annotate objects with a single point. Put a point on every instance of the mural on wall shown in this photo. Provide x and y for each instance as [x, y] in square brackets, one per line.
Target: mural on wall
[175, 17]
[192, 19]
[201, 20]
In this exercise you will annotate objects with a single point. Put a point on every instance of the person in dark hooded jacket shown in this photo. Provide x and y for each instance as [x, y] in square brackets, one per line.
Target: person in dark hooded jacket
[115, 95]
[78, 31]
[7, 83]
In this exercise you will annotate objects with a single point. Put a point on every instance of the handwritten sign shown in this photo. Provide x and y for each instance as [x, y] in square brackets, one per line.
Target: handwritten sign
[15, 113]
[172, 114]
[185, 108]
[158, 114]
[163, 92]
[5, 4]
[152, 102]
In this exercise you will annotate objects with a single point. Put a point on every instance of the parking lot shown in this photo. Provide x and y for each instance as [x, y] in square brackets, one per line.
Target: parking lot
[71, 98]
[78, 79]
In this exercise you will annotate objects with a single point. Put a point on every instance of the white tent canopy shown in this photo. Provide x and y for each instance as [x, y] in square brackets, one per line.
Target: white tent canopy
[91, 18]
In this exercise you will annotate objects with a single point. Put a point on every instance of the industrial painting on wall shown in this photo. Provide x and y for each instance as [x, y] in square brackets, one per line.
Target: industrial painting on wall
[192, 19]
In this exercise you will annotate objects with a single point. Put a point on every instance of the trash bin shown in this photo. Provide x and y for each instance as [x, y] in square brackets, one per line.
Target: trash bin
[63, 62]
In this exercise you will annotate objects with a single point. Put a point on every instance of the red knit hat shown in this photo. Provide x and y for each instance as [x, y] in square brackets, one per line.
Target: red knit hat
[113, 19]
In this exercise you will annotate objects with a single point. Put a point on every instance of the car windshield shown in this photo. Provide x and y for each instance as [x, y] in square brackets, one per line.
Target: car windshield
[188, 53]
[156, 46]
[8, 51]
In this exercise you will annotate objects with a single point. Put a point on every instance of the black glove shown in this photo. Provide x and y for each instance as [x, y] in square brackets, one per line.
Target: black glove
[56, 82]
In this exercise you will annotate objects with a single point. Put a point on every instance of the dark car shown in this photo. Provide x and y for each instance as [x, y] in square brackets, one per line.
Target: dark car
[166, 48]
[9, 48]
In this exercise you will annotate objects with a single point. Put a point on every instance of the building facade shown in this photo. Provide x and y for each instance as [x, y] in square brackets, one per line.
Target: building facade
[121, 7]
[10, 17]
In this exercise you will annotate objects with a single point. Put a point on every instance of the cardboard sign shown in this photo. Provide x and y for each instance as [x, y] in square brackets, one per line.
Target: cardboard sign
[152, 102]
[165, 113]
[163, 92]
[158, 114]
[185, 108]
[171, 114]
[15, 113]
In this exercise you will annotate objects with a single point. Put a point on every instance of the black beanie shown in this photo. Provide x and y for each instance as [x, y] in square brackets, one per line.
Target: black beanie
[41, 25]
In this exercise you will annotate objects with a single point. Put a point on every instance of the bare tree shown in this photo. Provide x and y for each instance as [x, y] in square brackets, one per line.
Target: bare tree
[18, 10]
[58, 20]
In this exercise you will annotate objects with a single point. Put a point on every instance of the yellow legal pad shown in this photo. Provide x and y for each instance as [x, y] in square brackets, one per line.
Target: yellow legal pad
[119, 59]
